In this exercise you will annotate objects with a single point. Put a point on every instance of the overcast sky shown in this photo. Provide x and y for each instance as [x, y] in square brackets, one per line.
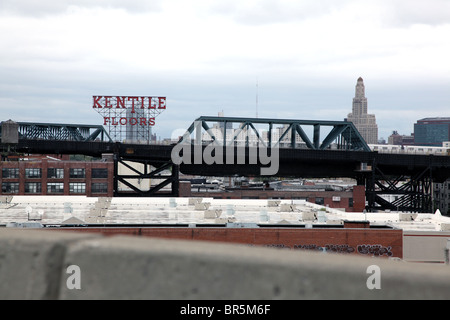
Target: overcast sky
[207, 56]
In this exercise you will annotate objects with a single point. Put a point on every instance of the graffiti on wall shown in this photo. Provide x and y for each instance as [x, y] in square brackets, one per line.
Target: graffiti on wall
[375, 250]
[339, 248]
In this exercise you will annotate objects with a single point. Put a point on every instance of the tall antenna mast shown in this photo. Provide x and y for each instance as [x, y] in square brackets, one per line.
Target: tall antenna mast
[256, 97]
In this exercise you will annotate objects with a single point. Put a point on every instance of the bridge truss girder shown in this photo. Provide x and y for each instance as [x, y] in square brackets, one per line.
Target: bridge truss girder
[343, 133]
[151, 171]
[62, 132]
[406, 193]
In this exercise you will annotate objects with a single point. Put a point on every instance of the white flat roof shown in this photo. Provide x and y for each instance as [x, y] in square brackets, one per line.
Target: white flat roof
[170, 210]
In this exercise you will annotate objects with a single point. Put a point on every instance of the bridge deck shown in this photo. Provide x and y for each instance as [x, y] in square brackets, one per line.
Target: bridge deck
[292, 162]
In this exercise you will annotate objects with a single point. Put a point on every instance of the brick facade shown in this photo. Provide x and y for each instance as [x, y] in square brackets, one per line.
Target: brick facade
[49, 177]
[352, 238]
[351, 201]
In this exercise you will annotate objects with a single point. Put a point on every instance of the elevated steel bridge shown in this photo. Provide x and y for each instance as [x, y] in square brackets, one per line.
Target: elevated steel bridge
[289, 133]
[340, 153]
[61, 132]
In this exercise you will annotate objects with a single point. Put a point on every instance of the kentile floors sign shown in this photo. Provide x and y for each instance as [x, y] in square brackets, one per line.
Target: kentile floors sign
[129, 110]
[129, 118]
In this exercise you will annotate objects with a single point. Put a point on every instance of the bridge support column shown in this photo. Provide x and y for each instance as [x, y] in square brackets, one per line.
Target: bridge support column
[143, 178]
[412, 193]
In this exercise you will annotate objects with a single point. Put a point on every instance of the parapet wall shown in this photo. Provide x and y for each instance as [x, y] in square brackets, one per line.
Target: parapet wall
[42, 264]
[352, 238]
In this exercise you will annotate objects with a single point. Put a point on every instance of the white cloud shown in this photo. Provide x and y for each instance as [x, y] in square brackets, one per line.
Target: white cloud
[405, 13]
[50, 7]
[206, 56]
[263, 12]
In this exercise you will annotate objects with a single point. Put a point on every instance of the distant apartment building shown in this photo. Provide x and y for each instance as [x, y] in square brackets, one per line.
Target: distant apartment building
[441, 197]
[243, 136]
[364, 122]
[432, 131]
[397, 139]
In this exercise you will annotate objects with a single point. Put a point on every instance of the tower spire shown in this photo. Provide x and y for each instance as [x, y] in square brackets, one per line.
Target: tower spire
[360, 89]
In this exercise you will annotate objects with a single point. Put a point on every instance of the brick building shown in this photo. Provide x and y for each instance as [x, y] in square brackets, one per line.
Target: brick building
[51, 176]
[352, 201]
[48, 176]
[353, 237]
[396, 139]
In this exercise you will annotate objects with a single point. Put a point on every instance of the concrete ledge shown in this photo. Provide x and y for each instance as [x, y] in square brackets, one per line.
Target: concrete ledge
[31, 262]
[33, 265]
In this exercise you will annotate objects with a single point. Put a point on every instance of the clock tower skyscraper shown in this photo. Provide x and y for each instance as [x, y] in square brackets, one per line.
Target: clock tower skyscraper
[364, 122]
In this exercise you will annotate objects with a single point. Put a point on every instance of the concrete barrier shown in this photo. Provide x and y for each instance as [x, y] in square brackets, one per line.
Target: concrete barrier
[31, 262]
[39, 264]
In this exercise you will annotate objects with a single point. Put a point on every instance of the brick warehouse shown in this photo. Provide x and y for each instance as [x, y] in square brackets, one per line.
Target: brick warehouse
[353, 237]
[50, 176]
[350, 201]
[57, 177]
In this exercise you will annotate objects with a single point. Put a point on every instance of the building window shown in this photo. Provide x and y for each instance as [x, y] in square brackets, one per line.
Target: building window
[10, 187]
[32, 173]
[99, 188]
[99, 173]
[77, 187]
[77, 173]
[55, 173]
[55, 187]
[350, 202]
[10, 173]
[320, 201]
[33, 187]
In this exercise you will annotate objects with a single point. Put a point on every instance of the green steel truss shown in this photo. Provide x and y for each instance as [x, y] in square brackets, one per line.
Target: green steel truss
[340, 135]
[62, 132]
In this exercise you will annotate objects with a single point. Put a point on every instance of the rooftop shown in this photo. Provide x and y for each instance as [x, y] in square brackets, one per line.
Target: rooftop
[57, 210]
[435, 119]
